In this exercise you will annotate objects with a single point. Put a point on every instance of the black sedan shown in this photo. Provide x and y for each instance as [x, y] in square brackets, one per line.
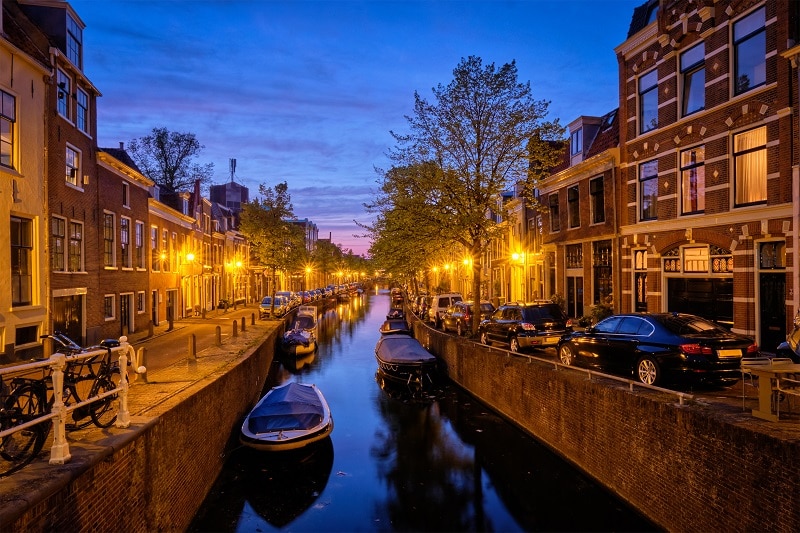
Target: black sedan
[657, 348]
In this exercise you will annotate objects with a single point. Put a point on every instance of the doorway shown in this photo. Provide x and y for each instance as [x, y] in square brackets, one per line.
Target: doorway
[772, 310]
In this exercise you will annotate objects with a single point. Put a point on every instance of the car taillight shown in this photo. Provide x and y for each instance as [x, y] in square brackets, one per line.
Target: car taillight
[527, 326]
[753, 348]
[695, 349]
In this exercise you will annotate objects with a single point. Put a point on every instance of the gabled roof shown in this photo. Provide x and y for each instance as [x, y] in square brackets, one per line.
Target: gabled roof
[20, 31]
[607, 136]
[121, 155]
[641, 15]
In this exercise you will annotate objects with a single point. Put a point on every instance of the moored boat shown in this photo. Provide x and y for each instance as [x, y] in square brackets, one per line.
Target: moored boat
[302, 338]
[392, 326]
[403, 359]
[289, 416]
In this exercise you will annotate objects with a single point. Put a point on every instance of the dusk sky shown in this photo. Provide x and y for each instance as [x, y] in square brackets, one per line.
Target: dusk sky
[307, 92]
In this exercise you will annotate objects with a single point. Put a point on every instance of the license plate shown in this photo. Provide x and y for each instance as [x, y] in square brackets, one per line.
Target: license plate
[729, 353]
[551, 340]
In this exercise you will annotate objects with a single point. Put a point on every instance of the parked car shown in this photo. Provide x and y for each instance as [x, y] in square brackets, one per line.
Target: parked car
[657, 348]
[521, 326]
[439, 304]
[291, 298]
[265, 307]
[791, 346]
[458, 316]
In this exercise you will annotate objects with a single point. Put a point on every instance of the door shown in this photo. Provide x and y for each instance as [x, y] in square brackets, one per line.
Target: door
[67, 316]
[154, 307]
[574, 296]
[772, 310]
[124, 313]
[171, 305]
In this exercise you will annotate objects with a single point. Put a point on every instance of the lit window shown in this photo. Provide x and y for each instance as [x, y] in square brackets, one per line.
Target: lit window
[8, 119]
[58, 240]
[64, 92]
[695, 259]
[555, 221]
[750, 166]
[693, 180]
[72, 166]
[139, 243]
[75, 247]
[648, 190]
[573, 207]
[597, 199]
[693, 73]
[648, 102]
[140, 302]
[108, 307]
[108, 239]
[750, 52]
[82, 111]
[21, 261]
[74, 42]
[125, 241]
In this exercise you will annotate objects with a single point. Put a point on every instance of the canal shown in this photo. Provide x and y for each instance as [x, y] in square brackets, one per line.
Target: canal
[438, 462]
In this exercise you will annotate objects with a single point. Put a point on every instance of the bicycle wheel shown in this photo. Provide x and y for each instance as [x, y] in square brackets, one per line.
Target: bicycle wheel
[22, 447]
[104, 412]
[75, 391]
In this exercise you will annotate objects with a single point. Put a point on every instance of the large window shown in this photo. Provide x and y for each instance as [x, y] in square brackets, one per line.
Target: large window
[597, 199]
[573, 207]
[75, 247]
[648, 190]
[601, 265]
[750, 166]
[64, 92]
[574, 256]
[555, 218]
[648, 102]
[58, 244]
[74, 42]
[750, 52]
[139, 243]
[82, 111]
[8, 118]
[21, 240]
[73, 166]
[693, 180]
[155, 260]
[108, 239]
[693, 74]
[125, 242]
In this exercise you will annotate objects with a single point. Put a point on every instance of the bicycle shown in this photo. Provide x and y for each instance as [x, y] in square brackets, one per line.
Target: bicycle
[19, 448]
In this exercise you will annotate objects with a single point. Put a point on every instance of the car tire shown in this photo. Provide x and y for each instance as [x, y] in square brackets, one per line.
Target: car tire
[459, 329]
[648, 371]
[513, 344]
[566, 355]
[484, 338]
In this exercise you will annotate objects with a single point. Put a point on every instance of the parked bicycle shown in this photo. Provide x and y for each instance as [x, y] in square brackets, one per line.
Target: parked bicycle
[29, 398]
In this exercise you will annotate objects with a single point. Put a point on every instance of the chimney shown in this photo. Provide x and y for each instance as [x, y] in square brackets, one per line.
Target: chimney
[121, 145]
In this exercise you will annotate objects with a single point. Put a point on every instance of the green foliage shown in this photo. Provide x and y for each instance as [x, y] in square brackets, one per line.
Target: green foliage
[167, 158]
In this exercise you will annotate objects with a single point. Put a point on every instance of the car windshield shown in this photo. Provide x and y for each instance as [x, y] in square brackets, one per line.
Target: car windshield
[544, 312]
[266, 301]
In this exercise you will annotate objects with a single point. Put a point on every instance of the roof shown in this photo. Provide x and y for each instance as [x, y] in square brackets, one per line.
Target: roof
[25, 34]
[607, 136]
[122, 156]
[641, 16]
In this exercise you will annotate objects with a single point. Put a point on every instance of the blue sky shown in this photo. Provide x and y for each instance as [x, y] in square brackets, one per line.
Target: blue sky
[307, 91]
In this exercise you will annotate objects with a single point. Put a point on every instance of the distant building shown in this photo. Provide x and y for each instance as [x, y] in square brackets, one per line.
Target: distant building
[231, 195]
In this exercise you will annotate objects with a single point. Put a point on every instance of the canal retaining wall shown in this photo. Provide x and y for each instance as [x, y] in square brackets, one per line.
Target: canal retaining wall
[686, 467]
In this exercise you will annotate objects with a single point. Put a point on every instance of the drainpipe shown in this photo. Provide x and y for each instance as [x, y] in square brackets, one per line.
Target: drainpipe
[617, 257]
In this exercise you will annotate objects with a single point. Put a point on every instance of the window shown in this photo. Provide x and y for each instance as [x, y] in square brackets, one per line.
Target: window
[695, 259]
[82, 111]
[58, 239]
[750, 52]
[574, 256]
[126, 195]
[108, 307]
[139, 243]
[555, 221]
[125, 241]
[8, 119]
[693, 74]
[73, 167]
[648, 190]
[74, 42]
[640, 280]
[21, 261]
[75, 247]
[573, 207]
[64, 92]
[693, 180]
[772, 255]
[576, 142]
[140, 302]
[597, 200]
[601, 265]
[750, 166]
[648, 102]
[164, 249]
[154, 256]
[108, 239]
[26, 335]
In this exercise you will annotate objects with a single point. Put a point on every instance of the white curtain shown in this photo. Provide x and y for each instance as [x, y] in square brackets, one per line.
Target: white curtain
[751, 167]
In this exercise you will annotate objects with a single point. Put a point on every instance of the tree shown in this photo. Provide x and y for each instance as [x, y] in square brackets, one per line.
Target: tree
[274, 241]
[168, 159]
[483, 135]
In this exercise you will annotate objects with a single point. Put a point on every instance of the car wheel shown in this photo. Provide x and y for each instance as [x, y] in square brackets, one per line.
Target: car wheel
[647, 371]
[565, 355]
[459, 329]
[484, 338]
[513, 344]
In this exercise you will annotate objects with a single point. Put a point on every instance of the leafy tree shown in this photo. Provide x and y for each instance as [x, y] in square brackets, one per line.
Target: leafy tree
[168, 159]
[483, 134]
[275, 242]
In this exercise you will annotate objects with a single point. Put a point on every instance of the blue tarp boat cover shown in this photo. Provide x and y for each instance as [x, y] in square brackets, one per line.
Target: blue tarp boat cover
[402, 349]
[304, 322]
[292, 407]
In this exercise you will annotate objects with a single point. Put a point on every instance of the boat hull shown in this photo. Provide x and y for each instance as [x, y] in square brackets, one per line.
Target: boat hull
[402, 359]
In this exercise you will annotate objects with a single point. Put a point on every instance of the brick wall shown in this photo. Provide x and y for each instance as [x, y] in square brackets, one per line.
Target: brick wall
[683, 467]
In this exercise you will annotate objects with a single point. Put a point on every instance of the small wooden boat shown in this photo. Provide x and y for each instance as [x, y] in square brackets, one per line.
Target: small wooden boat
[302, 338]
[392, 326]
[289, 416]
[403, 359]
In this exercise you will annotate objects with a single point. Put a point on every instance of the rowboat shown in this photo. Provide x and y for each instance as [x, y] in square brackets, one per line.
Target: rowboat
[403, 359]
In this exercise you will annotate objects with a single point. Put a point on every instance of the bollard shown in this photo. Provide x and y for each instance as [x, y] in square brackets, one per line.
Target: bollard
[252, 319]
[235, 329]
[143, 362]
[219, 335]
[150, 328]
[242, 324]
[171, 324]
[192, 347]
[203, 312]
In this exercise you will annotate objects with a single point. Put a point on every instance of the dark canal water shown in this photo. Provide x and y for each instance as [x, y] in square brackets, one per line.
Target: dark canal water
[443, 462]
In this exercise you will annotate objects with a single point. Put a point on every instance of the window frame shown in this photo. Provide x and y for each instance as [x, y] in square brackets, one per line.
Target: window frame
[555, 215]
[754, 37]
[82, 110]
[140, 255]
[8, 126]
[109, 239]
[75, 244]
[573, 207]
[63, 95]
[58, 244]
[125, 242]
[155, 259]
[739, 156]
[689, 74]
[645, 95]
[576, 142]
[644, 184]
[21, 246]
[109, 307]
[597, 201]
[695, 173]
[126, 194]
[72, 160]
[74, 42]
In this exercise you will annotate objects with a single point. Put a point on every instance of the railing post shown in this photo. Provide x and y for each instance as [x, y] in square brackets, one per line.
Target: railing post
[59, 452]
[123, 414]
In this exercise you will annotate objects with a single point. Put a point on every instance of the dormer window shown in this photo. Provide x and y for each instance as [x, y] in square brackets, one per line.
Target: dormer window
[64, 91]
[74, 42]
[576, 142]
